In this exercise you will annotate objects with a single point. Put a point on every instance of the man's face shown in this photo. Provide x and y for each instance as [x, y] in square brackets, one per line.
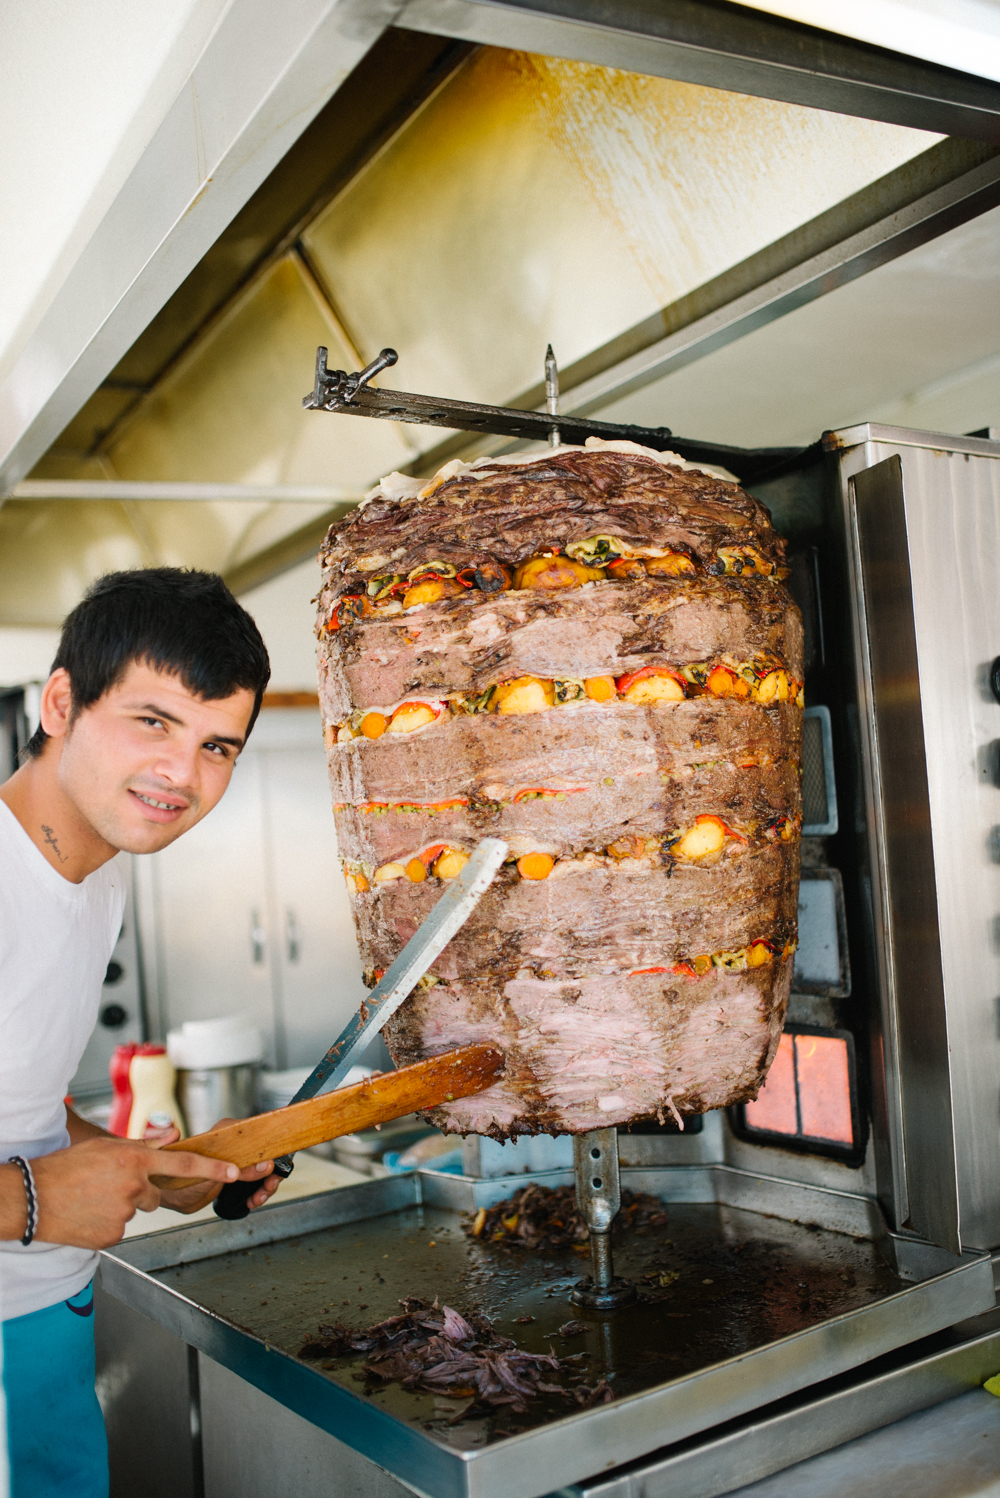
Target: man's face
[149, 759]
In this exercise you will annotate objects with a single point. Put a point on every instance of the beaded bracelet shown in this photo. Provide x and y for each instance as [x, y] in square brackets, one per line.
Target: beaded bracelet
[29, 1187]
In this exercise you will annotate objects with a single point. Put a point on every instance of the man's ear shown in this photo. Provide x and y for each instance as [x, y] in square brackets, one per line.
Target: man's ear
[57, 704]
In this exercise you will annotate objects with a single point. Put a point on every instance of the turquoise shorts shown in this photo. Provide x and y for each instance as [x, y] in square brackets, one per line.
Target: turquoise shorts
[55, 1429]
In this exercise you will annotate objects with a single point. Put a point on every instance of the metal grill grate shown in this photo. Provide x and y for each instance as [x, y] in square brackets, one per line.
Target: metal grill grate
[819, 795]
[814, 796]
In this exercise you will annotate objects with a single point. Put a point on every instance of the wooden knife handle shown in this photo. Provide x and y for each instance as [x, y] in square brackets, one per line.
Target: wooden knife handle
[377, 1100]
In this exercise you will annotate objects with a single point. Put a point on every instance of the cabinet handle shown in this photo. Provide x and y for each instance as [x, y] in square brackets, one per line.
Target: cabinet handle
[258, 938]
[292, 936]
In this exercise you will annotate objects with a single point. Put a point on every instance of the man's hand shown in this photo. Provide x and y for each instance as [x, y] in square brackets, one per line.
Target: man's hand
[193, 1198]
[89, 1192]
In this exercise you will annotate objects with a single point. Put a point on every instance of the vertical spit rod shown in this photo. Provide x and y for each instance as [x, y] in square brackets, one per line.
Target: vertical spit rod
[552, 393]
[598, 1193]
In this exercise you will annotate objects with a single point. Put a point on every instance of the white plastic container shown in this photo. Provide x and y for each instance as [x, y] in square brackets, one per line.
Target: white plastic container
[218, 1064]
[277, 1088]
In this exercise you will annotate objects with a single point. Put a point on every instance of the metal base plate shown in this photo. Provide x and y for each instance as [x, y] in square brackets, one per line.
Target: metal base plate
[619, 1293]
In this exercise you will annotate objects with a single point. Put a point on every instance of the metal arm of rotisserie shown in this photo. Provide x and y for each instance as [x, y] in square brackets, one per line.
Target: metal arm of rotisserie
[351, 395]
[335, 390]
[598, 1194]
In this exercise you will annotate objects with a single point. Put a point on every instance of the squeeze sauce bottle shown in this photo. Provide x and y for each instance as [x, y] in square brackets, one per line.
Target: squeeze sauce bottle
[143, 1080]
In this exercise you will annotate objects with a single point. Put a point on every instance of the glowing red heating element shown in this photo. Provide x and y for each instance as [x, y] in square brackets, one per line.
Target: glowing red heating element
[808, 1092]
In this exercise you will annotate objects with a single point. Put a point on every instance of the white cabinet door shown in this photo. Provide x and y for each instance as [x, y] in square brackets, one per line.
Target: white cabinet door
[213, 947]
[317, 968]
[120, 1017]
[248, 913]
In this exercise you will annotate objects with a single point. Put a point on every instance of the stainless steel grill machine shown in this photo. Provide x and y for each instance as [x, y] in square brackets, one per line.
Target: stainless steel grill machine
[826, 1265]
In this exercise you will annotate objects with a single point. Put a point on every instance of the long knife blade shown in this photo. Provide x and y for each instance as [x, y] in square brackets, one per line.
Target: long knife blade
[448, 917]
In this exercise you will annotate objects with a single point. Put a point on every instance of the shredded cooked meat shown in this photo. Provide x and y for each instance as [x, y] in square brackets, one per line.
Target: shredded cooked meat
[434, 1348]
[542, 1218]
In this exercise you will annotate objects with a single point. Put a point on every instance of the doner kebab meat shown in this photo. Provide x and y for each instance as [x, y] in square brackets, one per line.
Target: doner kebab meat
[591, 654]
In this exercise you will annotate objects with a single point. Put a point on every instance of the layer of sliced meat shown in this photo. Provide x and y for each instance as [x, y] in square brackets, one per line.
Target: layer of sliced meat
[582, 920]
[567, 822]
[587, 1053]
[513, 512]
[574, 745]
[468, 644]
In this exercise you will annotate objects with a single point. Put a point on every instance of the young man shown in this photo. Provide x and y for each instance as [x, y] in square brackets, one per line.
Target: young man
[156, 685]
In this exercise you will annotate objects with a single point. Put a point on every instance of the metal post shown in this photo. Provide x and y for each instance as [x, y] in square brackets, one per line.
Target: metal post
[552, 393]
[598, 1193]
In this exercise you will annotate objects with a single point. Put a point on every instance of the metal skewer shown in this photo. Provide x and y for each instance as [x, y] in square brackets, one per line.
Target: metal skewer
[552, 394]
[599, 1196]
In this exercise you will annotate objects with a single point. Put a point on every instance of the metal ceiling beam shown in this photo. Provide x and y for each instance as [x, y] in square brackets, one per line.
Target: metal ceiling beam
[122, 489]
[264, 75]
[728, 47]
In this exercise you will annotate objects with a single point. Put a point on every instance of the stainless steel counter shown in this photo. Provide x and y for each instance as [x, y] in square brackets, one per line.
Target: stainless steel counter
[754, 1291]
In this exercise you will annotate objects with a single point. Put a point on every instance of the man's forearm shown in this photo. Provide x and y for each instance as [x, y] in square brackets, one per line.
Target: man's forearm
[14, 1197]
[80, 1129]
[13, 1202]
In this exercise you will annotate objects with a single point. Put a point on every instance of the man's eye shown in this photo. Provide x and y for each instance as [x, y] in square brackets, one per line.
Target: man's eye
[219, 749]
[153, 722]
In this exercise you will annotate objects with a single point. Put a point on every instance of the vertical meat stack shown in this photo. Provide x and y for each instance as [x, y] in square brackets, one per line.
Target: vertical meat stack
[589, 653]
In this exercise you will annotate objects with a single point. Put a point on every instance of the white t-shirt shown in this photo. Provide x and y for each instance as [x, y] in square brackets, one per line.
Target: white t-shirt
[55, 942]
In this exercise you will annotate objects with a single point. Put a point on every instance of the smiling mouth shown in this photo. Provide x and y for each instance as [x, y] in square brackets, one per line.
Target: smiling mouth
[159, 805]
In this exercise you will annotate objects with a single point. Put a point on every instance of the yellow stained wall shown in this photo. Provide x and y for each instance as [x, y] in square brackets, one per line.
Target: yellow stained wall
[537, 199]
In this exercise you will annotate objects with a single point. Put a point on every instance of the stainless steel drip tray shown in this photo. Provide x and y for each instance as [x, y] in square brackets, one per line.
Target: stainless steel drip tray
[755, 1288]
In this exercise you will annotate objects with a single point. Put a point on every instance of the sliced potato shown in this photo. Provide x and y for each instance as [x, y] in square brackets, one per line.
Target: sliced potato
[674, 564]
[655, 689]
[525, 694]
[554, 572]
[774, 687]
[431, 591]
[450, 863]
[409, 716]
[707, 836]
[627, 569]
[759, 954]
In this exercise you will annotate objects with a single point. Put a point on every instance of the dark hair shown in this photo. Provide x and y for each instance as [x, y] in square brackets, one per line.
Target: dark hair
[170, 618]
